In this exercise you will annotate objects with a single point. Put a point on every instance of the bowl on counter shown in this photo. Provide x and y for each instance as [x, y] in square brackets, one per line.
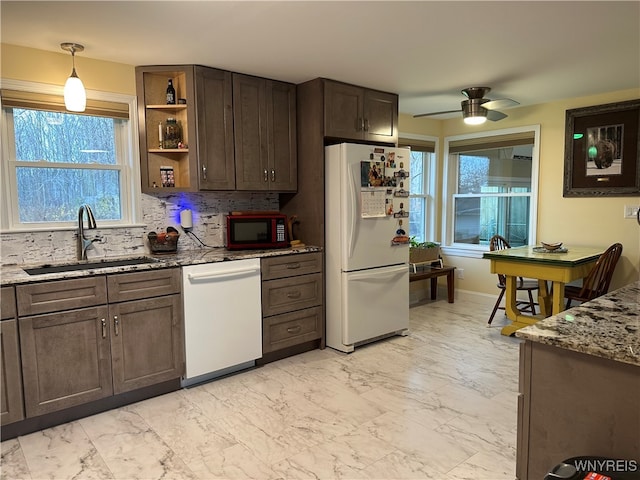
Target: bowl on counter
[551, 246]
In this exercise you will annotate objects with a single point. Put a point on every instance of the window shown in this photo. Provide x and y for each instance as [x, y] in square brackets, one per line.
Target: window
[422, 186]
[56, 161]
[492, 188]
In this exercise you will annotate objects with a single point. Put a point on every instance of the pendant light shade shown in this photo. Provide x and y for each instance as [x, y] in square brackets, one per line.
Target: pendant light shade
[75, 97]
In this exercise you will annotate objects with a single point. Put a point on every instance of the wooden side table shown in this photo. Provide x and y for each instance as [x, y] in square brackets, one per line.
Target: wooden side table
[422, 272]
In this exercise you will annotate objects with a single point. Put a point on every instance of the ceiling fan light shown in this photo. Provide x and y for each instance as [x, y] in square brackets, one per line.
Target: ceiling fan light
[473, 113]
[477, 120]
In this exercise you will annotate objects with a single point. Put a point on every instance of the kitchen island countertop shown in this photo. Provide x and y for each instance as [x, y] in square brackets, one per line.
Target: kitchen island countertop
[607, 327]
[15, 274]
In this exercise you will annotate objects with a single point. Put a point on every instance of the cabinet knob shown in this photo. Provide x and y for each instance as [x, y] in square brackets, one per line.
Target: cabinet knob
[294, 294]
[273, 175]
[293, 266]
[204, 172]
[266, 175]
[366, 125]
[359, 124]
[116, 324]
[104, 328]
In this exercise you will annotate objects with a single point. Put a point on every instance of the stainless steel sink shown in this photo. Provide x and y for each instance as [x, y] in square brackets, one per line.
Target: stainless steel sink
[74, 267]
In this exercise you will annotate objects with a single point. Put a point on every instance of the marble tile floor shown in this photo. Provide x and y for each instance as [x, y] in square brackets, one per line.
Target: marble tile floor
[440, 403]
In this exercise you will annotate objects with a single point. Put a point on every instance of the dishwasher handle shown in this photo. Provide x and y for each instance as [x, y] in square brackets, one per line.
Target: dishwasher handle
[222, 274]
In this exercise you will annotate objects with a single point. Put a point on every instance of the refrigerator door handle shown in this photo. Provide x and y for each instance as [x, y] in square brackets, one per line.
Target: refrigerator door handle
[354, 175]
[366, 276]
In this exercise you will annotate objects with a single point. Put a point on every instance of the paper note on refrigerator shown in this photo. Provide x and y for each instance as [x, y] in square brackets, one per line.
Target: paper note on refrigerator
[373, 203]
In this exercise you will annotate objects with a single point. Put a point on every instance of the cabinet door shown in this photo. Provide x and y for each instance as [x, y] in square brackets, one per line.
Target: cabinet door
[146, 342]
[343, 111]
[12, 406]
[250, 131]
[281, 138]
[65, 359]
[380, 116]
[214, 122]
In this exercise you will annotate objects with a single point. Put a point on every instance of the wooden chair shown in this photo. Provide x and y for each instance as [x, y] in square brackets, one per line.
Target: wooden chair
[596, 283]
[498, 242]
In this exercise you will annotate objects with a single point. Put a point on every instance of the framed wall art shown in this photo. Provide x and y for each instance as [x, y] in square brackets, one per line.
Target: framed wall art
[602, 150]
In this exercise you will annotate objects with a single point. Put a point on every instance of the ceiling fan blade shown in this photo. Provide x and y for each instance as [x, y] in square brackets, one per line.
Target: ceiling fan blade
[435, 113]
[500, 103]
[495, 115]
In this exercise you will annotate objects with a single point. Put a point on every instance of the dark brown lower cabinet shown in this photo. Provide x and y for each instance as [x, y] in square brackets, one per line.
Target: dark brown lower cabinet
[146, 342]
[72, 357]
[65, 359]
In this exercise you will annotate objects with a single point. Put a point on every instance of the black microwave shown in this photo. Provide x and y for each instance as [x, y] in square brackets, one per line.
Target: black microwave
[256, 230]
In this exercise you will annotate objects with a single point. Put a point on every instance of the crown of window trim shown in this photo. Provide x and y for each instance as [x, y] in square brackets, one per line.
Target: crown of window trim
[55, 103]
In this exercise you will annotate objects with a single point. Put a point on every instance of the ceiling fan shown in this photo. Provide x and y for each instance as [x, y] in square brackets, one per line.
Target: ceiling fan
[477, 109]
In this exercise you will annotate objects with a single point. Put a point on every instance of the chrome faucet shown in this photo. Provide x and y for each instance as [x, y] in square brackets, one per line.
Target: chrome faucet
[85, 243]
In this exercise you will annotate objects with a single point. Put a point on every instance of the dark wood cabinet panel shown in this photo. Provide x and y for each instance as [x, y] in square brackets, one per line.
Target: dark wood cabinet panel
[45, 297]
[289, 329]
[72, 356]
[214, 123]
[265, 134]
[381, 116]
[7, 303]
[146, 342]
[357, 113]
[291, 265]
[11, 381]
[206, 119]
[292, 303]
[66, 359]
[136, 285]
[343, 110]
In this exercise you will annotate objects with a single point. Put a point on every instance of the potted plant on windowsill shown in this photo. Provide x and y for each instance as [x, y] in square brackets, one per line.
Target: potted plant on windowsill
[423, 252]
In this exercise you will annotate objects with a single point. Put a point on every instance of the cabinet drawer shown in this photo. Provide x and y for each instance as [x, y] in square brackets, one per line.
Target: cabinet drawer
[289, 294]
[290, 265]
[136, 285]
[61, 295]
[288, 329]
[7, 303]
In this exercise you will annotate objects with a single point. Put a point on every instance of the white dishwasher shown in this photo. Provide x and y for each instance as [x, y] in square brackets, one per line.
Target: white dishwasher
[222, 318]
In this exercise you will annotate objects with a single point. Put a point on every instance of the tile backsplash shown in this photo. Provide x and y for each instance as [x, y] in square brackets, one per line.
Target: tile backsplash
[159, 212]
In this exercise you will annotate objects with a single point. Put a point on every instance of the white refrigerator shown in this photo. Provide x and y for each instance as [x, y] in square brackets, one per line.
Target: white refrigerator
[366, 243]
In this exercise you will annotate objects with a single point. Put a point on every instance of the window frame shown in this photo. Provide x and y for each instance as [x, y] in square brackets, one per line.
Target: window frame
[429, 186]
[450, 176]
[128, 155]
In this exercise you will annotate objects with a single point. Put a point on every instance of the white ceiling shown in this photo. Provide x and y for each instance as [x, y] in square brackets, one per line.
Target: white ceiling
[426, 51]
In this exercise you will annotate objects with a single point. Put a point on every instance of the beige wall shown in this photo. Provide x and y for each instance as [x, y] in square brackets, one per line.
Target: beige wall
[574, 221]
[28, 64]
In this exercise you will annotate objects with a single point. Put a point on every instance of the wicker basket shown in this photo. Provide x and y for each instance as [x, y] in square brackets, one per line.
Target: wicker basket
[424, 255]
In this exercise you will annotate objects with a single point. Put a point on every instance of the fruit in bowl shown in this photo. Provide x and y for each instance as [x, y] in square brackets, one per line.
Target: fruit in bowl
[551, 246]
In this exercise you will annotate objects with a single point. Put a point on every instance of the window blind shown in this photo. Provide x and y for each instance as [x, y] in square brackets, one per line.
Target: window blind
[418, 145]
[487, 143]
[55, 103]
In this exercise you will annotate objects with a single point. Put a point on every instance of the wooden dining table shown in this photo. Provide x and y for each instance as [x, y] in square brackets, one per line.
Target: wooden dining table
[558, 267]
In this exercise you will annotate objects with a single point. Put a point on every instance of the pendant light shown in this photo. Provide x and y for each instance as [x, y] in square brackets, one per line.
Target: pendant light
[75, 97]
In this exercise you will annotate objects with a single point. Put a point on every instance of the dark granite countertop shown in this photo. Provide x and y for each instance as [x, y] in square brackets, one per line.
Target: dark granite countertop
[15, 274]
[608, 327]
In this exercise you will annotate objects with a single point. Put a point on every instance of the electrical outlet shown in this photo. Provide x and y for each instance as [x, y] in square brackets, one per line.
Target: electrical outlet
[630, 211]
[460, 273]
